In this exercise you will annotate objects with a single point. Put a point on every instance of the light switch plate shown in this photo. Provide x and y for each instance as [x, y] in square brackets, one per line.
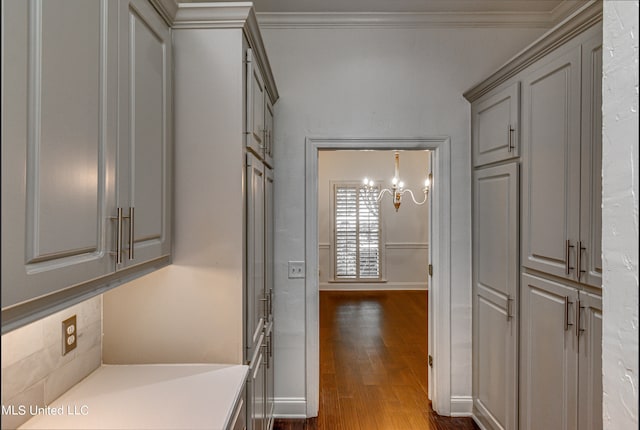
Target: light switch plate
[296, 269]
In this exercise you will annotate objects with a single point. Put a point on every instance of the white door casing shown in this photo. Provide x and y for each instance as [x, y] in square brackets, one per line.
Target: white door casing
[440, 243]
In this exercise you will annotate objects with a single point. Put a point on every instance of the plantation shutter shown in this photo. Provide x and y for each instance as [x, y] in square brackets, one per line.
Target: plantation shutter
[357, 233]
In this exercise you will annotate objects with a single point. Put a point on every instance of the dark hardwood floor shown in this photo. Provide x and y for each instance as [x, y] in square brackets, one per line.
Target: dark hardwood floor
[373, 365]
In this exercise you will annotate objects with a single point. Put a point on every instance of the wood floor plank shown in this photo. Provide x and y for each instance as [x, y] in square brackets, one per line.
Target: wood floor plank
[373, 365]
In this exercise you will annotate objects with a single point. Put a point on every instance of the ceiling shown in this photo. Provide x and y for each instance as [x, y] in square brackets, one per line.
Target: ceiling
[418, 6]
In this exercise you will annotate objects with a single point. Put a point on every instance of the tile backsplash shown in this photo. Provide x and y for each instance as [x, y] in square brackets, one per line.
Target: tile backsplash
[34, 371]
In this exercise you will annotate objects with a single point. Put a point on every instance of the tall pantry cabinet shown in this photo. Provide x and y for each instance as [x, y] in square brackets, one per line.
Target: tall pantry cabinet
[86, 150]
[536, 137]
[214, 303]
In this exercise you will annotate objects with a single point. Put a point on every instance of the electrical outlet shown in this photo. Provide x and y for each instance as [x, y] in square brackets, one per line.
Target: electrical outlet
[69, 335]
[296, 269]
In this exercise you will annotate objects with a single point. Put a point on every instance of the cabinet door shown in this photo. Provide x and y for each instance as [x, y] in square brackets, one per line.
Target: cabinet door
[548, 355]
[590, 362]
[255, 106]
[495, 274]
[268, 132]
[256, 392]
[269, 242]
[256, 300]
[551, 164]
[495, 126]
[59, 104]
[591, 157]
[144, 155]
[269, 377]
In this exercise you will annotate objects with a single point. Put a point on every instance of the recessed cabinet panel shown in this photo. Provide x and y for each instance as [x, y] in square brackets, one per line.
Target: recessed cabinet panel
[143, 171]
[255, 107]
[551, 146]
[590, 363]
[493, 353]
[256, 298]
[268, 133]
[549, 363]
[495, 282]
[59, 115]
[591, 156]
[495, 126]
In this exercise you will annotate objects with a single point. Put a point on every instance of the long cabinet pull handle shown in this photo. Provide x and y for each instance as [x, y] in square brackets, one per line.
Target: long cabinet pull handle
[131, 231]
[578, 318]
[579, 259]
[509, 300]
[510, 130]
[568, 267]
[567, 324]
[119, 238]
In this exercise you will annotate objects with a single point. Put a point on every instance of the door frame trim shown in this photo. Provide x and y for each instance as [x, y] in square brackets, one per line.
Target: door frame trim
[440, 283]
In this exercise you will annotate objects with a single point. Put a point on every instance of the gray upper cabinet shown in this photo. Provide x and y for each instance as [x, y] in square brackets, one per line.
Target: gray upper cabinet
[59, 104]
[495, 125]
[85, 131]
[495, 292]
[144, 164]
[255, 131]
[551, 164]
[268, 131]
[590, 246]
[561, 161]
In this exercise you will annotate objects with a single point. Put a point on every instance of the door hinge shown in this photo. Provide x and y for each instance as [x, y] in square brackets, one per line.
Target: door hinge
[430, 270]
[430, 361]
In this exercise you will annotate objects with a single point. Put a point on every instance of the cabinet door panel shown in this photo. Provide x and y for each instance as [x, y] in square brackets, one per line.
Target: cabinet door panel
[257, 391]
[590, 363]
[59, 122]
[269, 242]
[268, 134]
[255, 106]
[495, 277]
[551, 166]
[591, 157]
[256, 300]
[144, 171]
[548, 358]
[495, 126]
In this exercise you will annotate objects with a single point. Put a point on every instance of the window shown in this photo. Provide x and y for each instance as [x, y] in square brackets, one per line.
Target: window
[356, 233]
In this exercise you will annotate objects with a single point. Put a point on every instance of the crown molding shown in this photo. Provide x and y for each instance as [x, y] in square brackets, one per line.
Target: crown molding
[585, 17]
[229, 15]
[404, 20]
[166, 8]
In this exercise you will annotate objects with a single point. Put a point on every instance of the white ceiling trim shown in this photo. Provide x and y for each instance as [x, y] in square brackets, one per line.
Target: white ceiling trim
[283, 20]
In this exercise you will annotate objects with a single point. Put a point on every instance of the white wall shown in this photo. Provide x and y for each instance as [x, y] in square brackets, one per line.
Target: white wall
[404, 233]
[345, 82]
[620, 215]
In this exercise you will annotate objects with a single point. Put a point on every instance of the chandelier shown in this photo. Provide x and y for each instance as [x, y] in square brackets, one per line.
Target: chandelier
[397, 189]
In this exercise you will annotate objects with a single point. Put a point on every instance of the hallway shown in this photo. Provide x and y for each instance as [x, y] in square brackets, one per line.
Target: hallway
[373, 364]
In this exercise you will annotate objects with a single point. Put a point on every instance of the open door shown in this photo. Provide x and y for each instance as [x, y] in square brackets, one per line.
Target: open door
[430, 343]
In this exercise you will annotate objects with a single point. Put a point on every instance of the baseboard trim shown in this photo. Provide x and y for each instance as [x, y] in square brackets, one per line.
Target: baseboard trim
[290, 407]
[386, 286]
[478, 422]
[461, 406]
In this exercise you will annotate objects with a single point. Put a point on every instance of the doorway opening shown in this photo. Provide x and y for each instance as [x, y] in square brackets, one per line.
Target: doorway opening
[439, 242]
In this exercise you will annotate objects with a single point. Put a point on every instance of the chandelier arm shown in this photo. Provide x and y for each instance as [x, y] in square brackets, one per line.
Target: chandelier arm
[384, 190]
[413, 198]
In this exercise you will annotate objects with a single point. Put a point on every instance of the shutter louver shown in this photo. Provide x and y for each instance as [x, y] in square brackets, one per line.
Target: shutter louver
[357, 234]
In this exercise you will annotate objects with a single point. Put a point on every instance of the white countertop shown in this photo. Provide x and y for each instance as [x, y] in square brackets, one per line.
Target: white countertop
[171, 396]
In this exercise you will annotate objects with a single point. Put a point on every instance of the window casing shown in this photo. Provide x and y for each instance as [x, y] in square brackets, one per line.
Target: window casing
[357, 238]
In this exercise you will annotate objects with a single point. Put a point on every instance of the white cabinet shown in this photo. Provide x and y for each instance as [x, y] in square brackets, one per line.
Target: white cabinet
[85, 131]
[561, 162]
[495, 125]
[561, 369]
[495, 293]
